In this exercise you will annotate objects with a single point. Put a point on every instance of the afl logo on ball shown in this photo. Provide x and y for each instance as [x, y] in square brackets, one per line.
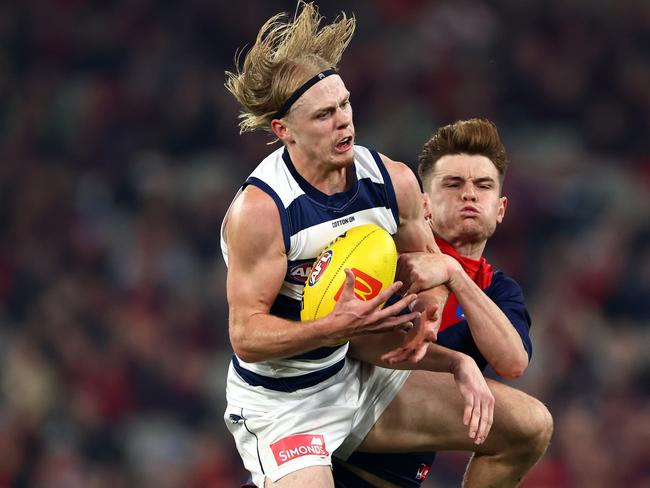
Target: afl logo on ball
[319, 268]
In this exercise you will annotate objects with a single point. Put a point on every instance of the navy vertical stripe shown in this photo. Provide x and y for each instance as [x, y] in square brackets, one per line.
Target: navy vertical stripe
[388, 185]
[284, 219]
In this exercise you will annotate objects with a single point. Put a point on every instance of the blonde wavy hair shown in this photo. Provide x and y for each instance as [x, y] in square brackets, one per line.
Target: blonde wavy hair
[284, 56]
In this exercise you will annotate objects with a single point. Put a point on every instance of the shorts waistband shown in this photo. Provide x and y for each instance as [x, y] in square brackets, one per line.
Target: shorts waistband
[287, 384]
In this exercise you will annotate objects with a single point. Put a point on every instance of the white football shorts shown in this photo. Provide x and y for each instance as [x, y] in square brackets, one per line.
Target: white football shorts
[277, 433]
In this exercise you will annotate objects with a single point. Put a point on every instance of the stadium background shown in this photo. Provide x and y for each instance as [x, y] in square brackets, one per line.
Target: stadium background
[119, 154]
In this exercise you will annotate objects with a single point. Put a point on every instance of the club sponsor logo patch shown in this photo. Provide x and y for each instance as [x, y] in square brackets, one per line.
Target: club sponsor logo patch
[298, 445]
[365, 286]
[319, 268]
[299, 273]
[423, 472]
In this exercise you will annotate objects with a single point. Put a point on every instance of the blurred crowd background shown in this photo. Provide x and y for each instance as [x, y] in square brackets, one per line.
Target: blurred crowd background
[120, 152]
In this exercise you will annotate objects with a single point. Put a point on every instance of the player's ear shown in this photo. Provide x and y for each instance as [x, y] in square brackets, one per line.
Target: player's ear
[281, 130]
[503, 205]
[426, 204]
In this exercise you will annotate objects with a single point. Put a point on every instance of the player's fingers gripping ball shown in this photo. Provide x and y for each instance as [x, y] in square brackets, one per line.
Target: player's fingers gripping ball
[368, 251]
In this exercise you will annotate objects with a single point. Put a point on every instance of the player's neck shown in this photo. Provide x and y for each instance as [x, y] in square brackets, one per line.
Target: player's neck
[329, 179]
[472, 250]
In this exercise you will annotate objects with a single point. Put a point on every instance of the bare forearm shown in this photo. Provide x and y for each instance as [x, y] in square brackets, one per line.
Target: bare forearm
[437, 295]
[257, 335]
[493, 333]
[261, 337]
[438, 359]
[370, 349]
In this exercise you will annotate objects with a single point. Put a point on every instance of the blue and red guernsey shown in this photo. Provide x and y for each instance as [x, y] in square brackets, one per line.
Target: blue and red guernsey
[454, 330]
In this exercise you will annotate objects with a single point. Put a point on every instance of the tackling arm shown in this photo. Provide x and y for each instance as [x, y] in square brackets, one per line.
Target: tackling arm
[494, 334]
[479, 401]
[492, 331]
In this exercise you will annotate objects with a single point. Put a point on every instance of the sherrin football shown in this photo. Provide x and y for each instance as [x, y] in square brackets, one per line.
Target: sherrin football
[368, 251]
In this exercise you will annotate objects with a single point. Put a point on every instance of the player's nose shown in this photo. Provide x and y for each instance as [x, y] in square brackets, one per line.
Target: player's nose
[469, 194]
[343, 117]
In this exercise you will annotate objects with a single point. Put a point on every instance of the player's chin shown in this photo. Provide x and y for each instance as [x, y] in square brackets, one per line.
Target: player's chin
[471, 232]
[345, 159]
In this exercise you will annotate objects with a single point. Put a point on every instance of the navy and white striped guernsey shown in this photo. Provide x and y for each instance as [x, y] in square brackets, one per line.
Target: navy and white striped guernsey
[310, 221]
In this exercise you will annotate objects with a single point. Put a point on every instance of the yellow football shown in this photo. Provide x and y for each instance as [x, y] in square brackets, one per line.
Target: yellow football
[368, 251]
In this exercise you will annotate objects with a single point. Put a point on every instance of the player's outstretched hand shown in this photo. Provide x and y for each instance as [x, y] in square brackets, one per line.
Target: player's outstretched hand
[479, 401]
[356, 317]
[417, 340]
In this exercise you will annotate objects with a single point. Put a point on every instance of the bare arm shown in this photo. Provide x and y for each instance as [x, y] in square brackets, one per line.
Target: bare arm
[479, 400]
[414, 235]
[493, 333]
[256, 269]
[370, 350]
